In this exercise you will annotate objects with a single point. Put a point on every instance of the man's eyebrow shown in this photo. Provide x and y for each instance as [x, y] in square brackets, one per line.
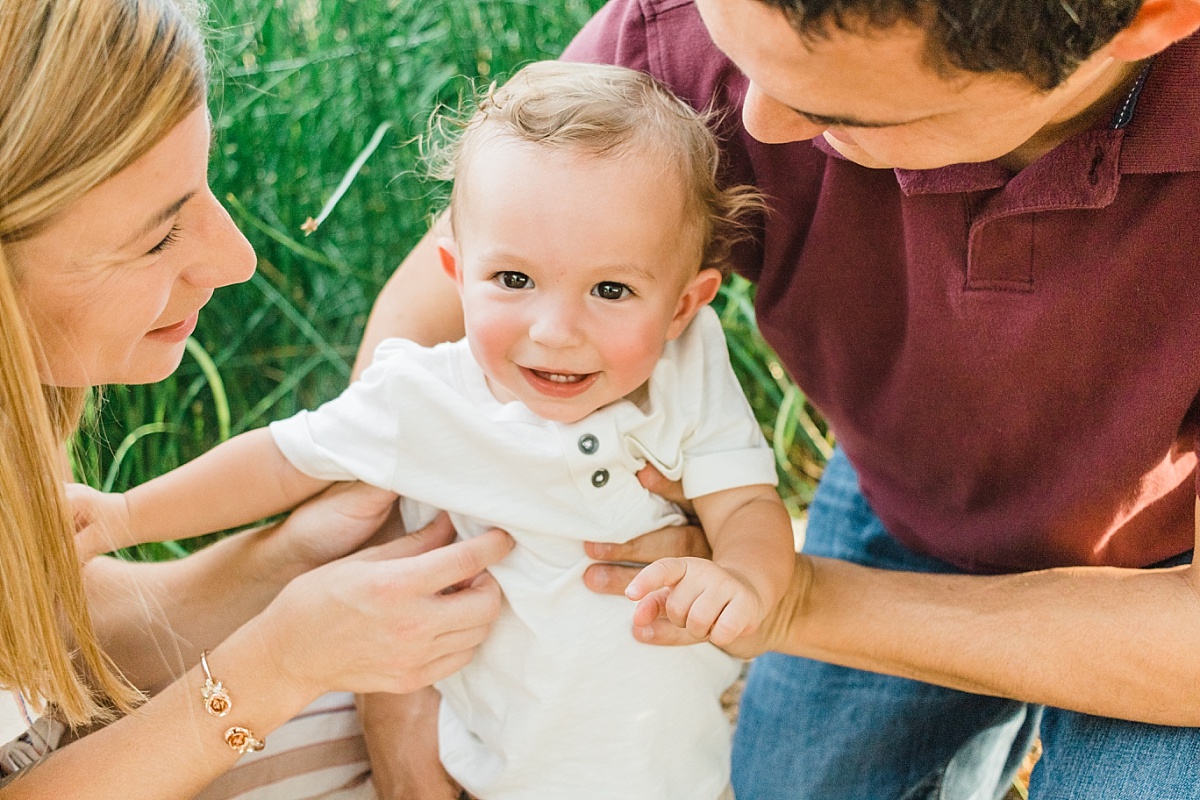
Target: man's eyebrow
[848, 122]
[159, 219]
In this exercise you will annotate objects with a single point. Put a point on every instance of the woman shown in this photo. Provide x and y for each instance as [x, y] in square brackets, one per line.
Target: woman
[110, 243]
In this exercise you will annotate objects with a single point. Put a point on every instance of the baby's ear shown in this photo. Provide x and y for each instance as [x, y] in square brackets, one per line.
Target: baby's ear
[696, 295]
[448, 255]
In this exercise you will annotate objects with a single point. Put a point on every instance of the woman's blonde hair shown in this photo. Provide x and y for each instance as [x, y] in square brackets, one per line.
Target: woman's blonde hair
[86, 87]
[604, 111]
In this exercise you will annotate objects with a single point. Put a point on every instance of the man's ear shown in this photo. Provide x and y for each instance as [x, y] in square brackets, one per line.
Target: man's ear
[448, 255]
[697, 294]
[1157, 25]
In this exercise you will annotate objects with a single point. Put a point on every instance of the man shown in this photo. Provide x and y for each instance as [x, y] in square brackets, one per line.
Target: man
[980, 262]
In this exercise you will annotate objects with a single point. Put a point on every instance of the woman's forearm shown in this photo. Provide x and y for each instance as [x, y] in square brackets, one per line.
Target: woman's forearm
[170, 748]
[155, 618]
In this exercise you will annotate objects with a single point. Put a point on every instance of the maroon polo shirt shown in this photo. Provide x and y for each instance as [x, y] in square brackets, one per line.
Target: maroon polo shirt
[1011, 362]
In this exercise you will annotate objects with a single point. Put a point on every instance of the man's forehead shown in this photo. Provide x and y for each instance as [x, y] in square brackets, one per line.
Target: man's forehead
[826, 78]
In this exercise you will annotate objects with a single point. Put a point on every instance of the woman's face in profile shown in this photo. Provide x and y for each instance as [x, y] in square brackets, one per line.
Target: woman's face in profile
[113, 286]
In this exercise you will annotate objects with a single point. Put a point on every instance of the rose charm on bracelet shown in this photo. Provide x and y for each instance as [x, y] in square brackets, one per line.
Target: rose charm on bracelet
[242, 740]
[216, 700]
[218, 703]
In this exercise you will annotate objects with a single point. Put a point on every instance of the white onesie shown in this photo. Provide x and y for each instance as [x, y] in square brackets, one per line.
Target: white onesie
[560, 703]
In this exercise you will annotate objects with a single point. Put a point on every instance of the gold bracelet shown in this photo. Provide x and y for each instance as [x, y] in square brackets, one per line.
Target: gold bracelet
[218, 703]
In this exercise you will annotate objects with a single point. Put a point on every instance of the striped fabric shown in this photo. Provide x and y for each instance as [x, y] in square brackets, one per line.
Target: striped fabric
[319, 754]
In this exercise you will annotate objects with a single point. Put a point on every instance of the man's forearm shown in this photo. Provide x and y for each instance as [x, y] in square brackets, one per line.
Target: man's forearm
[419, 302]
[1111, 642]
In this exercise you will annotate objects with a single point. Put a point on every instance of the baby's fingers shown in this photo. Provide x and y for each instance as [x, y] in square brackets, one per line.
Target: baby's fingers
[739, 618]
[651, 607]
[665, 572]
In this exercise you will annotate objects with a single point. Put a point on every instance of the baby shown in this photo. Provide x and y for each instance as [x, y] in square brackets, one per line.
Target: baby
[588, 235]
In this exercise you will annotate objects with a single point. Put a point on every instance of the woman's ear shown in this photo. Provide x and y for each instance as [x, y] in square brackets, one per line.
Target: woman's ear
[1157, 25]
[448, 255]
[697, 294]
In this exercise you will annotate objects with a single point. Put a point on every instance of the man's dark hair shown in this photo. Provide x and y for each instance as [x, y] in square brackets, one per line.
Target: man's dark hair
[1041, 40]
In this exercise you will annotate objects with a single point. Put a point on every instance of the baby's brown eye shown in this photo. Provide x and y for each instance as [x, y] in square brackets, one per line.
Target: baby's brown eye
[514, 280]
[611, 290]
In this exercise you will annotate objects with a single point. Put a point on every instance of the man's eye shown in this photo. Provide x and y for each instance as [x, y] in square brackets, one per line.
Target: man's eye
[514, 280]
[611, 290]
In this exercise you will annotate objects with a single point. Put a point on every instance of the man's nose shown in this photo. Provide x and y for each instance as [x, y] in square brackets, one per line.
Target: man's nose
[772, 122]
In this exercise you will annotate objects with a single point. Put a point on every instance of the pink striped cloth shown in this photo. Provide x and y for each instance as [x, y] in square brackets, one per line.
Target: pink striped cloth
[319, 754]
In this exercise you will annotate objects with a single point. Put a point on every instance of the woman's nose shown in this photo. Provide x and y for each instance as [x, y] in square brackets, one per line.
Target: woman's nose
[772, 122]
[223, 254]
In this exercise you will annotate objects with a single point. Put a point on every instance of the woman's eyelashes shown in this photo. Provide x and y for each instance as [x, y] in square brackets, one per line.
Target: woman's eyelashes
[168, 240]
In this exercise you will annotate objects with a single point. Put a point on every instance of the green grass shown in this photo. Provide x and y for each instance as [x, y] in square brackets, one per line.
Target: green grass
[301, 91]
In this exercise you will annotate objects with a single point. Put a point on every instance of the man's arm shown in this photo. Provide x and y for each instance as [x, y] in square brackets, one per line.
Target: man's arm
[1111, 642]
[418, 302]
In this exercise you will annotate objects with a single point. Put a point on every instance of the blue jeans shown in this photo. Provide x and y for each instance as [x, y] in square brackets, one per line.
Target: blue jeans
[812, 730]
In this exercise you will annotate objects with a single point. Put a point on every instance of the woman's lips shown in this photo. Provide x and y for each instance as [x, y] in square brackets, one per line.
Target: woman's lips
[177, 332]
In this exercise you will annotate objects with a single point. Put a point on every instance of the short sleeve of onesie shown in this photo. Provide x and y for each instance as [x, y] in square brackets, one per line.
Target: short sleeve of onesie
[355, 435]
[699, 428]
[727, 448]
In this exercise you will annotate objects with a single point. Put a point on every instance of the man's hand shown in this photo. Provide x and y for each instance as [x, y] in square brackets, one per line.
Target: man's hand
[621, 562]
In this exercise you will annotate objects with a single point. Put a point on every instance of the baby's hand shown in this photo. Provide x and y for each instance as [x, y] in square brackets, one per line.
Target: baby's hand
[699, 596]
[101, 521]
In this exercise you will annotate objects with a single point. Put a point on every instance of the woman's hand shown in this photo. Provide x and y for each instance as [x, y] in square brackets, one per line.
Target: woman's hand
[101, 521]
[389, 618]
[338, 521]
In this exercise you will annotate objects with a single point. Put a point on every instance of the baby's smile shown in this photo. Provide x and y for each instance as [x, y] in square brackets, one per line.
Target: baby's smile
[559, 384]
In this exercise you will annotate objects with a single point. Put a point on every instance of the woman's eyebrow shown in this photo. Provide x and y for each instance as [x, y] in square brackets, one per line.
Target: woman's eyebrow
[158, 219]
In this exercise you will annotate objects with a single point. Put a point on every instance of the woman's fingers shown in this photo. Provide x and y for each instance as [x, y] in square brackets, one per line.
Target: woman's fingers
[444, 567]
[436, 534]
[336, 522]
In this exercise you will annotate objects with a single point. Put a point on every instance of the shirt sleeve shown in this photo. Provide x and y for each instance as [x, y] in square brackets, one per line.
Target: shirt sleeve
[355, 436]
[727, 448]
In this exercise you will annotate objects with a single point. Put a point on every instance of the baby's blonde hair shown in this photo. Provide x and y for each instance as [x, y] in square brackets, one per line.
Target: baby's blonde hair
[86, 87]
[603, 111]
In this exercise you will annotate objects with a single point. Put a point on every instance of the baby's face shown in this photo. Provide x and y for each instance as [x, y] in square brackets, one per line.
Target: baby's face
[574, 272]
